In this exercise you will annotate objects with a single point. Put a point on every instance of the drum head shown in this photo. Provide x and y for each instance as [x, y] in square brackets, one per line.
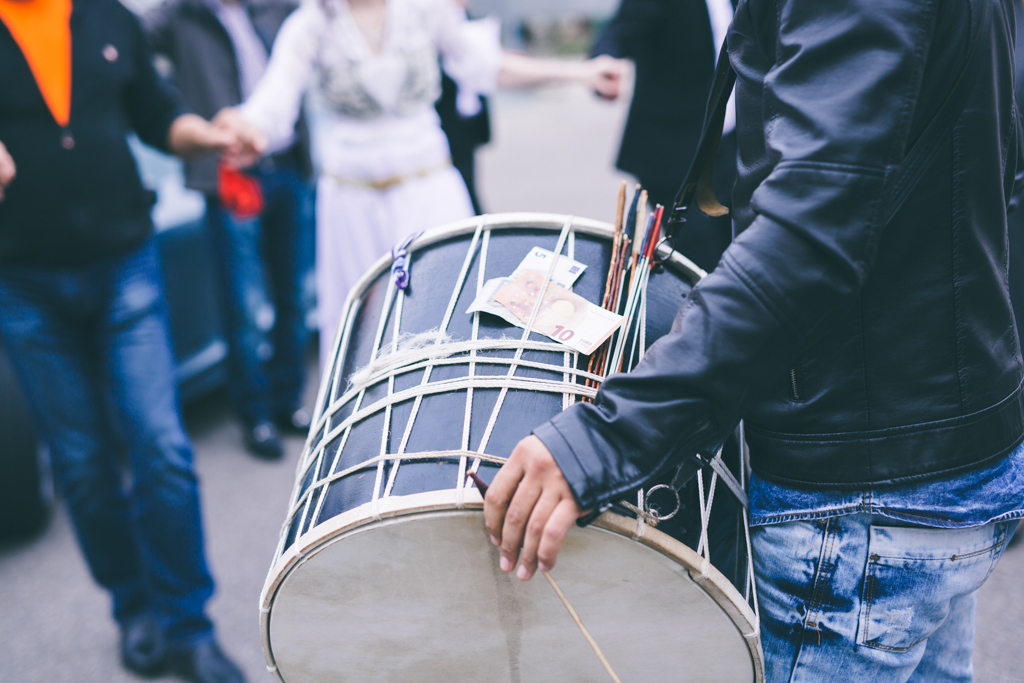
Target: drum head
[420, 598]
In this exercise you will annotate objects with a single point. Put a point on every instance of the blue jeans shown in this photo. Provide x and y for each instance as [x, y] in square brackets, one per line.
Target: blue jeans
[265, 269]
[854, 598]
[91, 348]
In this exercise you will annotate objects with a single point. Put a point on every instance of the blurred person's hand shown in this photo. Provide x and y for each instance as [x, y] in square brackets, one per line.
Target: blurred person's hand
[603, 74]
[7, 170]
[529, 505]
[251, 141]
[606, 74]
[192, 135]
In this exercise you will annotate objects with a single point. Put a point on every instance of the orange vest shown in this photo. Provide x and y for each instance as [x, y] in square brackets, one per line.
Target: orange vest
[42, 29]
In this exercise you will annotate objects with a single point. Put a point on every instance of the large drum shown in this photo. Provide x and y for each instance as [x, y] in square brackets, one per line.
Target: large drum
[384, 571]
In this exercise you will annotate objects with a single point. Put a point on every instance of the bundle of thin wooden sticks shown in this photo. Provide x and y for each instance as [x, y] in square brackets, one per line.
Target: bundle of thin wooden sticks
[632, 264]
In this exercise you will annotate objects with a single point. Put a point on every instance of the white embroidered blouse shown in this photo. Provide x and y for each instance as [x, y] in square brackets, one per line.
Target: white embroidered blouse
[381, 119]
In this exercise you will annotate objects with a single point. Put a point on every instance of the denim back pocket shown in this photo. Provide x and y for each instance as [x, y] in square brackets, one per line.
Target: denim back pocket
[913, 574]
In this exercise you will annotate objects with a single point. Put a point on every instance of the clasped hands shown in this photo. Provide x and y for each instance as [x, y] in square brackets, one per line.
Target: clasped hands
[249, 142]
[240, 143]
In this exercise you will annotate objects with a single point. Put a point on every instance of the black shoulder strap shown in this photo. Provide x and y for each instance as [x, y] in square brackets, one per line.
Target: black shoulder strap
[697, 183]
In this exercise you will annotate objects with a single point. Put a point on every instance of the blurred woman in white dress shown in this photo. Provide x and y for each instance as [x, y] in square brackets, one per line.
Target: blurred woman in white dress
[385, 165]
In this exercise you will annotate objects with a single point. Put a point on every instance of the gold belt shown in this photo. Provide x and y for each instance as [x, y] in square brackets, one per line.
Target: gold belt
[381, 184]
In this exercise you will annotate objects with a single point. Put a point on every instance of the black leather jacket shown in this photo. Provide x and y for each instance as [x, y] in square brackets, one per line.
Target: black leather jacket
[858, 353]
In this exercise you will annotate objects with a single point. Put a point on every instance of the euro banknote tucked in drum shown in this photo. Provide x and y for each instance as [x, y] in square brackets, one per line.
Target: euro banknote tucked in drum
[564, 316]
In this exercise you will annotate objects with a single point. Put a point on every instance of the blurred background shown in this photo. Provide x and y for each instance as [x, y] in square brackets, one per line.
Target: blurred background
[553, 149]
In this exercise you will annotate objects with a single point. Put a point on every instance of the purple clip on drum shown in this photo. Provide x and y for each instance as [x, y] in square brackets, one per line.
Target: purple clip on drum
[384, 571]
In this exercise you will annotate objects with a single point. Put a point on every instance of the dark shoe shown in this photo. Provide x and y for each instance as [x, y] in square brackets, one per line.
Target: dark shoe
[295, 422]
[262, 441]
[142, 647]
[204, 663]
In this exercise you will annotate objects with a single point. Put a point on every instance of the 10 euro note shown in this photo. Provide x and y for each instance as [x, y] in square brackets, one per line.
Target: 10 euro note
[485, 303]
[565, 273]
[565, 317]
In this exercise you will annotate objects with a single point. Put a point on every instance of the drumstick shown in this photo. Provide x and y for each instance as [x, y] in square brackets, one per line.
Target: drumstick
[599, 361]
[616, 240]
[646, 258]
[583, 629]
[595, 360]
[635, 280]
[610, 301]
[652, 239]
[482, 485]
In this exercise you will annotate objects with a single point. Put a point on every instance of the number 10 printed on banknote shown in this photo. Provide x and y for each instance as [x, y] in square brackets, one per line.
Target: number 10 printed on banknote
[565, 317]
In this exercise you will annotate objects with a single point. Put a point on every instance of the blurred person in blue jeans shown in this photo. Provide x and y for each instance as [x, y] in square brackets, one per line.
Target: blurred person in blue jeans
[859, 324]
[219, 51]
[83, 316]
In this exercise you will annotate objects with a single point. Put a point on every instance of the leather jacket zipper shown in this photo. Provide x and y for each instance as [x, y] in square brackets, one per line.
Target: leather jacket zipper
[792, 379]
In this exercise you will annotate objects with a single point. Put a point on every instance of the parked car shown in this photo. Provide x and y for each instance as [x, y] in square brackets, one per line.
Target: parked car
[26, 488]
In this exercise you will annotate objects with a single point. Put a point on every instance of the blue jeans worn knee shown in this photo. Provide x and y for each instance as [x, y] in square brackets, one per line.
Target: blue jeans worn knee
[91, 348]
[855, 598]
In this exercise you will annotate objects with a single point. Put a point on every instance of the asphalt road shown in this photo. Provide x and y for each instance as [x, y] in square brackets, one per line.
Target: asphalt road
[553, 151]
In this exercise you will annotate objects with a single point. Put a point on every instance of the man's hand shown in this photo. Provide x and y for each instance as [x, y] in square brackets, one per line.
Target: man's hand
[606, 74]
[529, 506]
[7, 170]
[603, 73]
[252, 143]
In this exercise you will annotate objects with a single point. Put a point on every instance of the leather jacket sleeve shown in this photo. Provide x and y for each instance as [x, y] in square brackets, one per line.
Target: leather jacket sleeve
[834, 112]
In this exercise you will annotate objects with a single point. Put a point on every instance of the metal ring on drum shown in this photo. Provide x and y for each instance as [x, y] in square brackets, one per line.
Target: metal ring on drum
[384, 571]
